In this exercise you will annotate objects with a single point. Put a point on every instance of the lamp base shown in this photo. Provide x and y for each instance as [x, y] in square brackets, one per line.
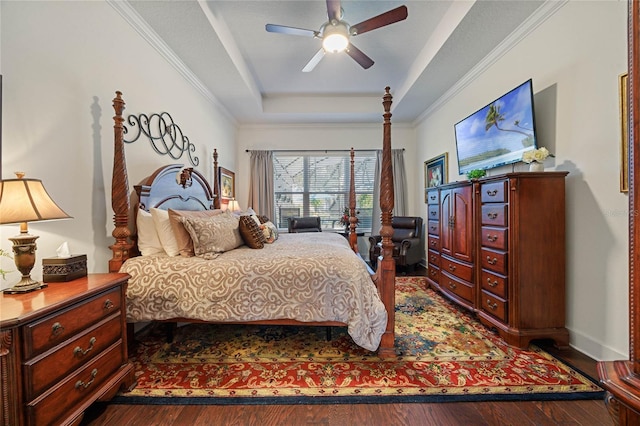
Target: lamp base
[25, 285]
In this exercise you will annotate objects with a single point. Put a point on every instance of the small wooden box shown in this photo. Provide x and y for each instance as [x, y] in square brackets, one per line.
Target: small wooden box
[60, 269]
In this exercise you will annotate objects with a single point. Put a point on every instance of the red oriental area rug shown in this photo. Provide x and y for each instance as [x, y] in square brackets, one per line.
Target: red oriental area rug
[444, 354]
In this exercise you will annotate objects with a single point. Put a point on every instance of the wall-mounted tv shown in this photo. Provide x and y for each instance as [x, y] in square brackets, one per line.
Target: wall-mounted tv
[498, 133]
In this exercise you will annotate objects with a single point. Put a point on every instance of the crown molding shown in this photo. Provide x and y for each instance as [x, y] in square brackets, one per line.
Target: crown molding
[134, 19]
[544, 12]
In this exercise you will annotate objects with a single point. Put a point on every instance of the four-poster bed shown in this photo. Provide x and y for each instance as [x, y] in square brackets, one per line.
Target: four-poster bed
[338, 295]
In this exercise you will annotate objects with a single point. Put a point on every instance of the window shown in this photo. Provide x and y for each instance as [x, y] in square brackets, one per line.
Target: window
[317, 184]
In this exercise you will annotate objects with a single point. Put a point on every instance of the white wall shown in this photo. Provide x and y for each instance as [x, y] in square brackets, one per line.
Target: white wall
[61, 64]
[574, 58]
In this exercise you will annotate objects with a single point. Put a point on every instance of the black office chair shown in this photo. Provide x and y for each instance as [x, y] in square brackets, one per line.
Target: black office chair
[304, 224]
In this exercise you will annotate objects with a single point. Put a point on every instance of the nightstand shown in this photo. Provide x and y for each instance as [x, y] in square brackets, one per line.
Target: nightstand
[63, 348]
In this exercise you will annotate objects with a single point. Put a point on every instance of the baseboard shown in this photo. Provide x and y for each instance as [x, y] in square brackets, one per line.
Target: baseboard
[593, 348]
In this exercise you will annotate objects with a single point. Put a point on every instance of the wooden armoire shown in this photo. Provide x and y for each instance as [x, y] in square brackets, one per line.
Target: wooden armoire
[621, 379]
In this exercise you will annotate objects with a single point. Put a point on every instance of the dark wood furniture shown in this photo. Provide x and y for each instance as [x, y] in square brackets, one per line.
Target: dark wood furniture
[63, 348]
[621, 379]
[384, 278]
[497, 247]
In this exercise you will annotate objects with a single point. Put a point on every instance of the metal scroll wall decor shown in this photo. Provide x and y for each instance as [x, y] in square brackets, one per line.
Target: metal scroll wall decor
[165, 136]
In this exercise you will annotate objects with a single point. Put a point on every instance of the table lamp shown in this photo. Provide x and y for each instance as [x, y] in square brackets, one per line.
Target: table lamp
[21, 201]
[233, 205]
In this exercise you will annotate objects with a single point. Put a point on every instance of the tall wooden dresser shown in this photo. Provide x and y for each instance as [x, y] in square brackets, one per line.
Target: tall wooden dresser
[63, 348]
[497, 247]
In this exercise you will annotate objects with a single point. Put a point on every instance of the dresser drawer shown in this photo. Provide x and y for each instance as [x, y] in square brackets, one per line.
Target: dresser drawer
[45, 369]
[52, 330]
[433, 227]
[494, 192]
[434, 258]
[494, 306]
[460, 270]
[456, 286]
[433, 197]
[61, 399]
[433, 212]
[433, 273]
[433, 243]
[495, 261]
[496, 284]
[494, 237]
[494, 214]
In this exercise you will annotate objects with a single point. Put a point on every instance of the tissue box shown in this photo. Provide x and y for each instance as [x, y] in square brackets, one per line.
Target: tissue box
[59, 269]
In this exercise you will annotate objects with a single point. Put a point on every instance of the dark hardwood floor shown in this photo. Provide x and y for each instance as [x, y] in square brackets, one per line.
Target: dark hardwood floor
[539, 413]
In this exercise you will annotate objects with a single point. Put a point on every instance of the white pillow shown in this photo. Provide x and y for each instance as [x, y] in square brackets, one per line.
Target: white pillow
[165, 232]
[148, 240]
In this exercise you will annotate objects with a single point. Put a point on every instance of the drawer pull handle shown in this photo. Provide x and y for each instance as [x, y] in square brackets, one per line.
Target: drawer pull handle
[452, 286]
[83, 385]
[108, 305]
[433, 213]
[433, 243]
[492, 193]
[78, 352]
[493, 306]
[57, 329]
[452, 267]
[492, 283]
[492, 261]
[492, 215]
[492, 238]
[432, 197]
[433, 272]
[433, 228]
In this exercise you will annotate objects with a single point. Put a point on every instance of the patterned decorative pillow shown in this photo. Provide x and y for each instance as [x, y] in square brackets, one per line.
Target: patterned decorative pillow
[251, 232]
[270, 232]
[183, 239]
[214, 235]
[263, 219]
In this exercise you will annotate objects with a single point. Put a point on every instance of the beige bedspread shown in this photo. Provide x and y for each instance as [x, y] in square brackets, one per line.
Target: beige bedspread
[306, 277]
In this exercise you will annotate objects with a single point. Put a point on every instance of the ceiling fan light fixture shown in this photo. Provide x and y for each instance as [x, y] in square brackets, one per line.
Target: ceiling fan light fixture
[335, 37]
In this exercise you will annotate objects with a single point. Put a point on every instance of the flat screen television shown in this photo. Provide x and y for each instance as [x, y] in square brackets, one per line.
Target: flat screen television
[498, 133]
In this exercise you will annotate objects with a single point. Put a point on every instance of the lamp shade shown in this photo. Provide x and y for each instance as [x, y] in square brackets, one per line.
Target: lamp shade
[26, 200]
[233, 206]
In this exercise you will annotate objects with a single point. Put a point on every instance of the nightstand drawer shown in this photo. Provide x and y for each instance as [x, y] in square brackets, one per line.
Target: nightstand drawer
[493, 192]
[42, 335]
[62, 399]
[45, 369]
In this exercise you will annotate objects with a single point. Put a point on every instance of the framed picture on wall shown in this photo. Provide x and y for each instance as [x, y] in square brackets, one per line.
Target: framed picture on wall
[624, 130]
[435, 171]
[227, 181]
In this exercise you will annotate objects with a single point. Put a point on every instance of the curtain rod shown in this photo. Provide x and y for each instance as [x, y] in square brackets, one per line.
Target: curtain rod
[315, 150]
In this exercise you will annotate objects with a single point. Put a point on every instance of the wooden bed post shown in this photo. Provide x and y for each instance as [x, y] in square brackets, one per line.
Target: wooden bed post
[353, 237]
[385, 276]
[119, 192]
[216, 184]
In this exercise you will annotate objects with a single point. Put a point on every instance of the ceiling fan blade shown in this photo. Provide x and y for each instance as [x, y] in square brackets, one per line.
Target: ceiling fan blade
[314, 61]
[290, 30]
[333, 10]
[358, 56]
[389, 17]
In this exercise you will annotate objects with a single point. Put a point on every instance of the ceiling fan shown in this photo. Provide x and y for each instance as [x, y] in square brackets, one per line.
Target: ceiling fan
[336, 33]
